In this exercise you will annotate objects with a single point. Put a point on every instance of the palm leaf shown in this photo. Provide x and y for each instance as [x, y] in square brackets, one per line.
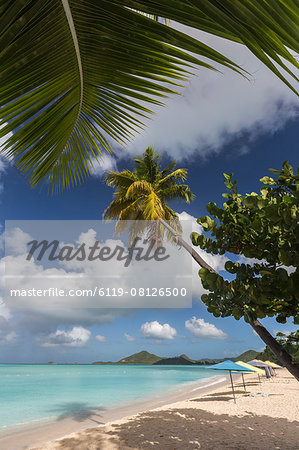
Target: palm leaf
[181, 191]
[179, 174]
[115, 208]
[138, 189]
[76, 74]
[152, 207]
[121, 180]
[129, 213]
[168, 169]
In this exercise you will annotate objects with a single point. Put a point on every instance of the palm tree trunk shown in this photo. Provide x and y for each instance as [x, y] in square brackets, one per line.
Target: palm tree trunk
[282, 355]
[188, 247]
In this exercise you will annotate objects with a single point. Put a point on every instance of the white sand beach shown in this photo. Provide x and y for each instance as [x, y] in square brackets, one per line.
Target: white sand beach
[205, 419]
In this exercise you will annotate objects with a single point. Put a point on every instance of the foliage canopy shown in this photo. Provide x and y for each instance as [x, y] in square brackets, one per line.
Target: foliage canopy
[263, 229]
[289, 343]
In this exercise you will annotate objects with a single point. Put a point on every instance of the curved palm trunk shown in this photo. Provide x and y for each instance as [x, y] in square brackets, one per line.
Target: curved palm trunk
[282, 355]
[188, 247]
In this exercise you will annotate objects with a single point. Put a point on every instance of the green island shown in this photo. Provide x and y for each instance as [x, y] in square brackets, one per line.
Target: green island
[145, 357]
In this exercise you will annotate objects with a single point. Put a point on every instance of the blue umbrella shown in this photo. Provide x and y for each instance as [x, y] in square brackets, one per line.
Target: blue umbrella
[230, 366]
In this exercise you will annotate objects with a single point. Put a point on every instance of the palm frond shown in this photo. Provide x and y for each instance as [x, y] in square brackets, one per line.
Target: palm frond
[152, 207]
[268, 29]
[115, 208]
[138, 189]
[181, 191]
[147, 167]
[136, 228]
[168, 169]
[77, 73]
[130, 212]
[169, 213]
[120, 180]
[179, 174]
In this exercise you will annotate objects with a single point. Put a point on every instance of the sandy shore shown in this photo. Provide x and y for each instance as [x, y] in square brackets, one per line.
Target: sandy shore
[207, 421]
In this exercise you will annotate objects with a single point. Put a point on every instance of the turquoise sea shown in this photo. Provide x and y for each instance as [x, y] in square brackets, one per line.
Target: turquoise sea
[33, 392]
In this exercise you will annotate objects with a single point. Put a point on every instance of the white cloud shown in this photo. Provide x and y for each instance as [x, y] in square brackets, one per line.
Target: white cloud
[9, 338]
[16, 241]
[3, 153]
[76, 337]
[4, 312]
[129, 337]
[217, 262]
[100, 338]
[201, 329]
[107, 162]
[4, 139]
[2, 171]
[189, 225]
[157, 331]
[215, 108]
[192, 225]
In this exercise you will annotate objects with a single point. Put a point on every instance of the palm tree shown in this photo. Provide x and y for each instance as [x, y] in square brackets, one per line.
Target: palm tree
[77, 73]
[141, 200]
[142, 195]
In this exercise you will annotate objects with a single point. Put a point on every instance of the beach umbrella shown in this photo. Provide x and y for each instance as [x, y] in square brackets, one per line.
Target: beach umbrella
[272, 364]
[230, 366]
[268, 369]
[255, 369]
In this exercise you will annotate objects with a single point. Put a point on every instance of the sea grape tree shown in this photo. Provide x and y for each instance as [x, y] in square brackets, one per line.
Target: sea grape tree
[259, 232]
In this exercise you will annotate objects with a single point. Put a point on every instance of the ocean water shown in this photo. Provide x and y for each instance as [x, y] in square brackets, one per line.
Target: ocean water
[33, 392]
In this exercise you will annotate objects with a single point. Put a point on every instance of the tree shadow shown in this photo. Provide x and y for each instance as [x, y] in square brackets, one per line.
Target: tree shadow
[90, 439]
[190, 429]
[78, 411]
[194, 429]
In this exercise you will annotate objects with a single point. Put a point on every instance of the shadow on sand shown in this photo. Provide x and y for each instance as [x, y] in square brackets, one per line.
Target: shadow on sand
[189, 429]
[78, 411]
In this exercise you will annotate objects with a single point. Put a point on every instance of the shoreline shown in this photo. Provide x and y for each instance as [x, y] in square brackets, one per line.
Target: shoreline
[34, 434]
[266, 416]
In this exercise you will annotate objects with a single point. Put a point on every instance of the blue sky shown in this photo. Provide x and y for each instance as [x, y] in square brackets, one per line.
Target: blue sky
[219, 125]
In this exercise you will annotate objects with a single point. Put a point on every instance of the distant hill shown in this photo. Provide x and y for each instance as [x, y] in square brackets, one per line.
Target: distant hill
[147, 358]
[208, 362]
[247, 356]
[182, 360]
[142, 357]
[187, 357]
